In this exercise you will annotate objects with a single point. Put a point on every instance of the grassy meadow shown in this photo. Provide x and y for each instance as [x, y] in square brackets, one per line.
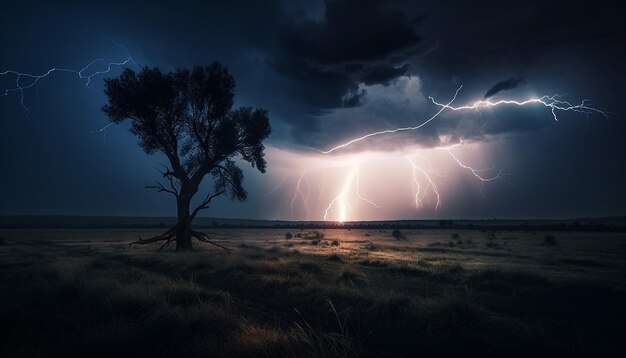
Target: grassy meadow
[326, 293]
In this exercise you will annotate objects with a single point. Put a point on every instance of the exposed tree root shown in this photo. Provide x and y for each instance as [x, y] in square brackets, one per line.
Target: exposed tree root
[170, 236]
[205, 238]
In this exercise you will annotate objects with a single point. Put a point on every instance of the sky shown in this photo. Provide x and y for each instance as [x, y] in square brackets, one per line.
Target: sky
[329, 72]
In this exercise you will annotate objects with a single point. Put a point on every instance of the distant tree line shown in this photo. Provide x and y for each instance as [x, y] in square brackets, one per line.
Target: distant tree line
[561, 226]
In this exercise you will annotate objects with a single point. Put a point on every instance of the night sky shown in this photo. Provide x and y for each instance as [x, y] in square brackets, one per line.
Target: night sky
[328, 72]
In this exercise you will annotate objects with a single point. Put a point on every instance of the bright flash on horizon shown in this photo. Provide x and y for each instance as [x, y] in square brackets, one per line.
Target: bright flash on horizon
[355, 186]
[371, 185]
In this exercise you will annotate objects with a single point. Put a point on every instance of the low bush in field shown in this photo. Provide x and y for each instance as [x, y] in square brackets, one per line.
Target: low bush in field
[397, 234]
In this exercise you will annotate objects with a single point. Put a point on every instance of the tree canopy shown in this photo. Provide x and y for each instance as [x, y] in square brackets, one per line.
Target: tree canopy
[189, 117]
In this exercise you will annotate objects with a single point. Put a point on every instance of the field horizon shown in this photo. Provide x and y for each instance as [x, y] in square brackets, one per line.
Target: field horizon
[600, 223]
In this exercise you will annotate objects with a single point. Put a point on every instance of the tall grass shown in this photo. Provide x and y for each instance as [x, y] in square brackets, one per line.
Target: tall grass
[367, 299]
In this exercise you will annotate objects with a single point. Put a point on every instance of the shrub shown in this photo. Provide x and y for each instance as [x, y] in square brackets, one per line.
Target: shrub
[334, 242]
[456, 236]
[315, 235]
[397, 234]
[288, 236]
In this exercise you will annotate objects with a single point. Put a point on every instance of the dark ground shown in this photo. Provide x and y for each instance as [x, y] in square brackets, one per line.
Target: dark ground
[329, 293]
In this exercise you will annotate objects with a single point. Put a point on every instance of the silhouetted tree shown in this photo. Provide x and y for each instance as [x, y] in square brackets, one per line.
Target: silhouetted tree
[189, 117]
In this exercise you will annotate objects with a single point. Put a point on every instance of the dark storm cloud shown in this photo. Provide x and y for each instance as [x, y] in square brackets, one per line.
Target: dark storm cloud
[456, 43]
[355, 42]
[475, 42]
[505, 85]
[327, 72]
[353, 98]
[327, 60]
[382, 74]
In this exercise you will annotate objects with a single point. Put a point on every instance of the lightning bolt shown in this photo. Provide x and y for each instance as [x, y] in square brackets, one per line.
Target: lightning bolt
[419, 194]
[554, 103]
[277, 186]
[475, 172]
[25, 80]
[341, 199]
[358, 192]
[389, 131]
[299, 193]
[551, 102]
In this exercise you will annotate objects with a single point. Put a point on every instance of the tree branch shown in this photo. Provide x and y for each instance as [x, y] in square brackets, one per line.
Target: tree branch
[167, 243]
[160, 188]
[227, 178]
[205, 203]
[169, 174]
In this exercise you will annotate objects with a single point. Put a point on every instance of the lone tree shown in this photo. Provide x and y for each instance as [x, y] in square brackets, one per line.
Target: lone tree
[189, 117]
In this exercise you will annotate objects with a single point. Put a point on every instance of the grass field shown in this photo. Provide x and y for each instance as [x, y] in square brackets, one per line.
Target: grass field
[333, 293]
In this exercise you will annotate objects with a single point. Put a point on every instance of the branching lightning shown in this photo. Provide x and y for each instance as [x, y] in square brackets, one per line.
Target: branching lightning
[358, 191]
[389, 131]
[341, 199]
[419, 193]
[422, 179]
[342, 202]
[299, 193]
[277, 186]
[475, 172]
[551, 102]
[24, 80]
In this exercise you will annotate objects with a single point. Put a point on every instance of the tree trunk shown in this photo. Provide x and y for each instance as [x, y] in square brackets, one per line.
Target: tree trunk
[183, 225]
